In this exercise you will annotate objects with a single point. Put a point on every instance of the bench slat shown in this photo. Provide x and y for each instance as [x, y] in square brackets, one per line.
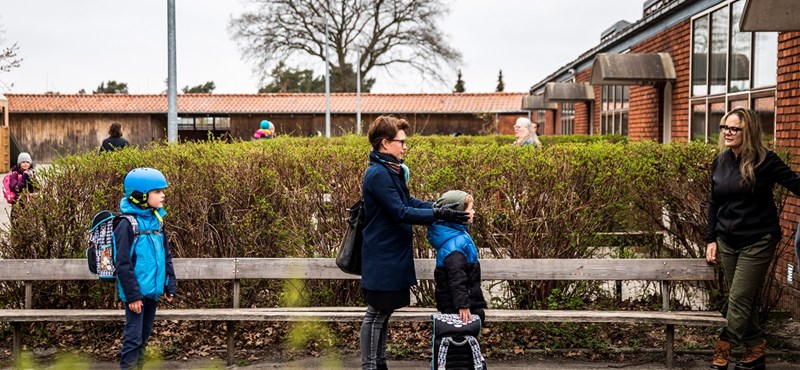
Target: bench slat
[325, 268]
[356, 314]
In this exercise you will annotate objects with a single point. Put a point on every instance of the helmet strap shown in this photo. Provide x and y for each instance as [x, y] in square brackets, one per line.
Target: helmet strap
[139, 199]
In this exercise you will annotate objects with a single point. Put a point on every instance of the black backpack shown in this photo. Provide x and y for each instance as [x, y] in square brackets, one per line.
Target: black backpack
[101, 252]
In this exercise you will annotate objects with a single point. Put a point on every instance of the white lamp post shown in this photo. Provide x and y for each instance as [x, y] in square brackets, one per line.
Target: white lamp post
[321, 20]
[358, 88]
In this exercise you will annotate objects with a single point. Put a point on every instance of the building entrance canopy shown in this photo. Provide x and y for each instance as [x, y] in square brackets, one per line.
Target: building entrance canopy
[537, 102]
[770, 16]
[632, 69]
[568, 92]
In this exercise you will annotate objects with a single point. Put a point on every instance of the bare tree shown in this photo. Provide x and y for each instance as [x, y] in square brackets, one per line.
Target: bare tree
[8, 56]
[388, 32]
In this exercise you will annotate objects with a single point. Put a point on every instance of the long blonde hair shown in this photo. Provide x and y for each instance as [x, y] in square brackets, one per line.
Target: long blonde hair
[532, 138]
[753, 150]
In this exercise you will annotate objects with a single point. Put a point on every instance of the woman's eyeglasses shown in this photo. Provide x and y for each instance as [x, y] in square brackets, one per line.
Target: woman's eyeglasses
[732, 129]
[402, 142]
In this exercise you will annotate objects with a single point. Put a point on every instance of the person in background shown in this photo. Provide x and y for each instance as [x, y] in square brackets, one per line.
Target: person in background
[266, 130]
[525, 133]
[114, 140]
[21, 181]
[744, 229]
[387, 258]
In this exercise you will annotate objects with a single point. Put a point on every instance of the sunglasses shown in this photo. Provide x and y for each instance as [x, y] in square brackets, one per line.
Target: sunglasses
[732, 129]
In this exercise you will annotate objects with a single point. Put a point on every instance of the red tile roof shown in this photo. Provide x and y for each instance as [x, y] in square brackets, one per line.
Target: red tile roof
[268, 103]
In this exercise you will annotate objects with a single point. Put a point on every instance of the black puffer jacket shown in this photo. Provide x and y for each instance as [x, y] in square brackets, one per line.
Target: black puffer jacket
[458, 272]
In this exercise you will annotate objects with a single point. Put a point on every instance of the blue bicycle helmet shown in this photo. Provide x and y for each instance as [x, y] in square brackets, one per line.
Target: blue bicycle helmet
[266, 125]
[139, 181]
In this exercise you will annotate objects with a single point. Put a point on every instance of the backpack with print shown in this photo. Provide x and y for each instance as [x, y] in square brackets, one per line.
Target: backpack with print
[101, 252]
[9, 194]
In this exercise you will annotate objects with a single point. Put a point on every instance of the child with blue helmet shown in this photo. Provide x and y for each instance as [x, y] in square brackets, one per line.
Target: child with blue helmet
[144, 261]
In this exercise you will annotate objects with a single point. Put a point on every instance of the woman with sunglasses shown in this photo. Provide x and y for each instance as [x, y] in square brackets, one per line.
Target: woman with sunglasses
[387, 259]
[744, 229]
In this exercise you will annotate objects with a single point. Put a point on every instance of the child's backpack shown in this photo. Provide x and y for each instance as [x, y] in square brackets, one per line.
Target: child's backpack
[101, 253]
[455, 345]
[9, 194]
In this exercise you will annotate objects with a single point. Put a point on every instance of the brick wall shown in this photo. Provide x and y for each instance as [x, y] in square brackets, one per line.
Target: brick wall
[644, 104]
[550, 122]
[787, 135]
[581, 126]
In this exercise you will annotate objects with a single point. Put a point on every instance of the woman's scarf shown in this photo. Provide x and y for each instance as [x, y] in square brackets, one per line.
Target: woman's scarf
[392, 163]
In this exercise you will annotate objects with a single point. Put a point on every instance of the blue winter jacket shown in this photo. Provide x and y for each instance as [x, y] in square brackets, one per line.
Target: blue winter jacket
[458, 272]
[387, 261]
[144, 269]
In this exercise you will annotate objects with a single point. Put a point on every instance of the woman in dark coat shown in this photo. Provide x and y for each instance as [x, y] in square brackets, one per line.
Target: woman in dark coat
[387, 268]
[744, 229]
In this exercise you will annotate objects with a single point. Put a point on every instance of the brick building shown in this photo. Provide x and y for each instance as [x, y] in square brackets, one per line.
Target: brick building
[672, 75]
[47, 125]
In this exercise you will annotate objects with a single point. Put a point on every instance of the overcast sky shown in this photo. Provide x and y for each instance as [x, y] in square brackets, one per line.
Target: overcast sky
[76, 44]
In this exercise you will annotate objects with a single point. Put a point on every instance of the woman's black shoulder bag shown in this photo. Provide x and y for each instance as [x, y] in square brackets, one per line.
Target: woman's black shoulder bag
[349, 257]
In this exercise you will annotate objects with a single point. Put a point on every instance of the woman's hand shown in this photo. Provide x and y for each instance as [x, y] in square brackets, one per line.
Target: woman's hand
[711, 252]
[464, 314]
[448, 213]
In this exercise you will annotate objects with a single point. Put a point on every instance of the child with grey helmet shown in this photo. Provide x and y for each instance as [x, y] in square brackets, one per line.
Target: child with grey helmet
[144, 262]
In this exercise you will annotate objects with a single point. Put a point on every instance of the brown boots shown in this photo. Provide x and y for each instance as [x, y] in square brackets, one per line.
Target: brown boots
[753, 358]
[722, 350]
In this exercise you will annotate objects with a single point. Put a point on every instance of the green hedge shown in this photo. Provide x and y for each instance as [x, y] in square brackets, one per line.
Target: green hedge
[286, 198]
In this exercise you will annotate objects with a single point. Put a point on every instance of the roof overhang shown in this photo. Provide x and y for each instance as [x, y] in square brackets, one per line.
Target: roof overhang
[568, 92]
[632, 69]
[770, 16]
[537, 102]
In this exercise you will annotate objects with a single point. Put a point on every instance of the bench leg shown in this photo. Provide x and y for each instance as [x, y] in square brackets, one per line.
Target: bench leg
[670, 346]
[231, 326]
[16, 349]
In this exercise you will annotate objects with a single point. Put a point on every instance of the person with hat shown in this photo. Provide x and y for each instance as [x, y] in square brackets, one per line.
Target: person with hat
[266, 130]
[458, 271]
[21, 179]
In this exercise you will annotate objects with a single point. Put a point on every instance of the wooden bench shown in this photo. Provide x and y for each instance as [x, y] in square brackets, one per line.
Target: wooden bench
[665, 271]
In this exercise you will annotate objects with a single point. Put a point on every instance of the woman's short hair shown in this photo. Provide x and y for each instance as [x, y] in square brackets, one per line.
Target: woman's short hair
[115, 130]
[385, 127]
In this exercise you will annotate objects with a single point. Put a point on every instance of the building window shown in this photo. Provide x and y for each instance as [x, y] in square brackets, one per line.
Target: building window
[614, 108]
[729, 69]
[204, 123]
[567, 118]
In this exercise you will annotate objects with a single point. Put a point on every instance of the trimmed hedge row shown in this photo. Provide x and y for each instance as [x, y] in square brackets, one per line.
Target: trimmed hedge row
[286, 198]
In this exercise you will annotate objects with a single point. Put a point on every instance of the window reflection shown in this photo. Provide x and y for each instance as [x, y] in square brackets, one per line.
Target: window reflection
[765, 62]
[699, 59]
[739, 73]
[719, 50]
[765, 110]
[698, 122]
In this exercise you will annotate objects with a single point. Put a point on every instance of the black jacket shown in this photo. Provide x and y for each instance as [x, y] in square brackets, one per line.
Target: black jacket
[740, 215]
[113, 143]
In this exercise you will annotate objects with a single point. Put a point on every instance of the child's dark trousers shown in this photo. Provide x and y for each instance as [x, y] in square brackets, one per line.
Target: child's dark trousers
[138, 328]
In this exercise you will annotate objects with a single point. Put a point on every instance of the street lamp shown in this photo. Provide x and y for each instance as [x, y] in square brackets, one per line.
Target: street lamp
[321, 20]
[358, 88]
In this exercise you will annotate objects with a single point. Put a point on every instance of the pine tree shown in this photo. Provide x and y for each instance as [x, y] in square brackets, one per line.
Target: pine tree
[459, 88]
[500, 85]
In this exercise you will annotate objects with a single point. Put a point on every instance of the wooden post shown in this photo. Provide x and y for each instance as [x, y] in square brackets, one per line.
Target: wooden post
[670, 343]
[16, 349]
[232, 325]
[28, 295]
